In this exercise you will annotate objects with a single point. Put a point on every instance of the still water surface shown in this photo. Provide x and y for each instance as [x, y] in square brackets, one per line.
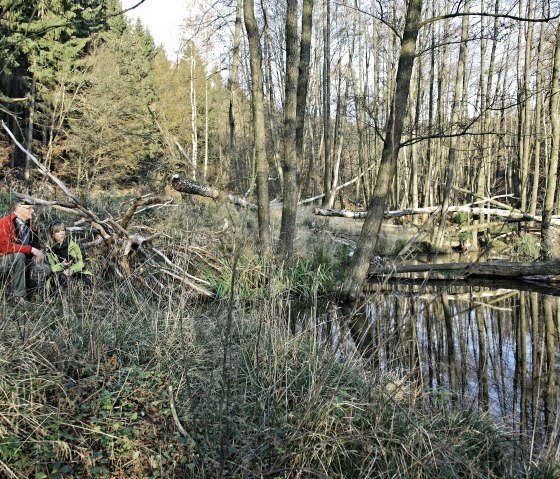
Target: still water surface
[495, 348]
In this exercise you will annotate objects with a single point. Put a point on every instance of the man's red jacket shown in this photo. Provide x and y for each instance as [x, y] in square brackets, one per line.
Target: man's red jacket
[8, 238]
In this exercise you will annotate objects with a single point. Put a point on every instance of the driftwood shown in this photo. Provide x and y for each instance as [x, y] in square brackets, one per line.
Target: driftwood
[547, 271]
[184, 185]
[122, 245]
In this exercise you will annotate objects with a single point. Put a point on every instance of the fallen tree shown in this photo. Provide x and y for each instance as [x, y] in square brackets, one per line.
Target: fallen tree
[415, 286]
[546, 271]
[509, 214]
[122, 245]
[184, 185]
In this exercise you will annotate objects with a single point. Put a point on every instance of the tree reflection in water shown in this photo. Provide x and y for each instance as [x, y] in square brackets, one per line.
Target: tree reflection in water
[462, 347]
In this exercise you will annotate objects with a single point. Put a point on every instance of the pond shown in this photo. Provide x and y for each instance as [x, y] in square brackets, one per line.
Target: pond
[492, 346]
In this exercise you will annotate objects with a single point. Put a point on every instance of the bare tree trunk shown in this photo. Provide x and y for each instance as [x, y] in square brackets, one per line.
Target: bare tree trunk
[303, 75]
[233, 85]
[452, 156]
[272, 112]
[538, 122]
[205, 167]
[525, 113]
[441, 109]
[428, 188]
[327, 174]
[338, 135]
[367, 241]
[258, 125]
[549, 245]
[359, 100]
[290, 189]
[484, 173]
[193, 116]
[30, 127]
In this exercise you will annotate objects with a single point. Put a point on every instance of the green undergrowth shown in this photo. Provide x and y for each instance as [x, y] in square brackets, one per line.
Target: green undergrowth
[87, 382]
[307, 276]
[526, 247]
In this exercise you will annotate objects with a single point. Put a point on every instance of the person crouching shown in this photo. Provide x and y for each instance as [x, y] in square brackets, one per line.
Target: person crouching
[65, 258]
[20, 252]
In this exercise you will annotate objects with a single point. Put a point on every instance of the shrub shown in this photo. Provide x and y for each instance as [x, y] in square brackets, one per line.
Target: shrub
[526, 246]
[460, 217]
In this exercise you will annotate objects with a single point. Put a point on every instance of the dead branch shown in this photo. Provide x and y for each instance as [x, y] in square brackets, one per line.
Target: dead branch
[184, 185]
[146, 200]
[189, 284]
[41, 167]
[338, 188]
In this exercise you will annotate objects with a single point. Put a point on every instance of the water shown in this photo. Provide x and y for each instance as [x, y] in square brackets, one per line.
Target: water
[491, 346]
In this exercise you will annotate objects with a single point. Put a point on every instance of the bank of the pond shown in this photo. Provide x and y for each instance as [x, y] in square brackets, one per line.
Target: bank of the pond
[166, 388]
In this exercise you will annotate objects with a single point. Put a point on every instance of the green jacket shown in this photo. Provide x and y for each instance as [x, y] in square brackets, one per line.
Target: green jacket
[75, 257]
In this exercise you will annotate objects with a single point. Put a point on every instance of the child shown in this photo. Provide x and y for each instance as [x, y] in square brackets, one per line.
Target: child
[65, 257]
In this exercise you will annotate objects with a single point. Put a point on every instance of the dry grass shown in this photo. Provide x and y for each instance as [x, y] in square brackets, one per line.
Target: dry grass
[84, 391]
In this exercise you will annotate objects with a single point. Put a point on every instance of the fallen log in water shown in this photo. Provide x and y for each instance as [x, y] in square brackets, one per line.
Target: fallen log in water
[539, 271]
[411, 287]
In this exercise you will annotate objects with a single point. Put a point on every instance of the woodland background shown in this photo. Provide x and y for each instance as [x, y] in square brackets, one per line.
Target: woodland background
[407, 103]
[91, 95]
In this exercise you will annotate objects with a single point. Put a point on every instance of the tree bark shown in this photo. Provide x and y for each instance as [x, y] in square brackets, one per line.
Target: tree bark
[327, 174]
[357, 271]
[550, 248]
[233, 85]
[537, 270]
[303, 75]
[290, 187]
[194, 127]
[184, 185]
[257, 102]
[455, 115]
[538, 122]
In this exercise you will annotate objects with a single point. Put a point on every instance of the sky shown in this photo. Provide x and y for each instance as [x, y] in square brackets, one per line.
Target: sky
[163, 18]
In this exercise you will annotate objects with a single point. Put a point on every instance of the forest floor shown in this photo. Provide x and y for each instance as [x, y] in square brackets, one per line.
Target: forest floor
[340, 231]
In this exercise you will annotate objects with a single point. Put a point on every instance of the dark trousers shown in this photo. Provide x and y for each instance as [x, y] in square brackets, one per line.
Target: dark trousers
[22, 272]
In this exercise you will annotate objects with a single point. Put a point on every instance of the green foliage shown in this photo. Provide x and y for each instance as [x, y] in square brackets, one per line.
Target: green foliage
[463, 236]
[44, 35]
[249, 282]
[460, 217]
[310, 276]
[526, 246]
[110, 135]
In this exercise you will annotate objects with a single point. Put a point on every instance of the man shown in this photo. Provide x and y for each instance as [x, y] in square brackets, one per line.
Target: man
[19, 250]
